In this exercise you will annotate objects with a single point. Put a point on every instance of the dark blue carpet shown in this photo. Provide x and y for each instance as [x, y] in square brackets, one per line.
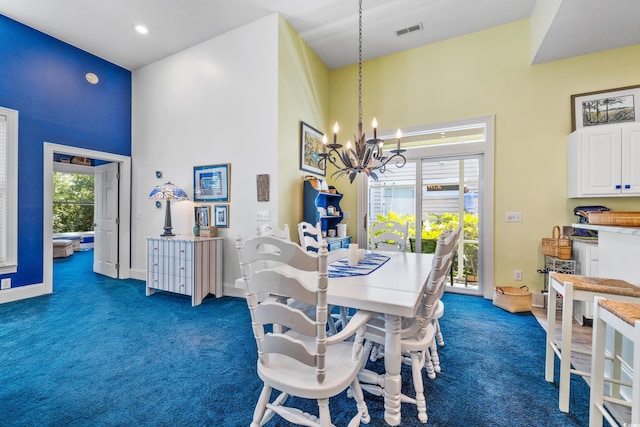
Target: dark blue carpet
[98, 352]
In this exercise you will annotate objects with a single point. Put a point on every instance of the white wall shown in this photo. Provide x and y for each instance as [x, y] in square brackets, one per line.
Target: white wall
[213, 103]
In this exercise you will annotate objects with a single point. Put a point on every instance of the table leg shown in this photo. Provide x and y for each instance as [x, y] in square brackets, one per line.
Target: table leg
[392, 365]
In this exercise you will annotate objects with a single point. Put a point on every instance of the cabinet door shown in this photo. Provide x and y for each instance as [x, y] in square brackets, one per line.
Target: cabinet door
[600, 161]
[630, 161]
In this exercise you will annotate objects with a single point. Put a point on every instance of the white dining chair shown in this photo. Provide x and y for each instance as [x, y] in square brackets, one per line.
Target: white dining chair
[418, 335]
[388, 236]
[302, 361]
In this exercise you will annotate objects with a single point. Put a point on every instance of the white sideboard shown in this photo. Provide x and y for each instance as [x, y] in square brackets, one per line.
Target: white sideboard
[185, 265]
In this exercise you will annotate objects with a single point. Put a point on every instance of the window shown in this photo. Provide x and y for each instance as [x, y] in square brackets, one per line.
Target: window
[8, 190]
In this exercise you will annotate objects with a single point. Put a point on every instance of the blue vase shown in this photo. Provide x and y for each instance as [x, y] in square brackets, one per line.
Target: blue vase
[196, 230]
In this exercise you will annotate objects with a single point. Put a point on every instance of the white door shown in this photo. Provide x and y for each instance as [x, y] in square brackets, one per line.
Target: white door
[105, 257]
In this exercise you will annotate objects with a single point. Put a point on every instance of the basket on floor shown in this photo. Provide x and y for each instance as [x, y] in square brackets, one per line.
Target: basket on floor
[513, 300]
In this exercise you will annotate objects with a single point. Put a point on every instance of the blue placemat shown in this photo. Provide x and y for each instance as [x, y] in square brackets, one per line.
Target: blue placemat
[341, 267]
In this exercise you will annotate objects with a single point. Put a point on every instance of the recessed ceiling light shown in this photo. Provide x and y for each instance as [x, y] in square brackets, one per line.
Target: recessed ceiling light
[141, 29]
[92, 78]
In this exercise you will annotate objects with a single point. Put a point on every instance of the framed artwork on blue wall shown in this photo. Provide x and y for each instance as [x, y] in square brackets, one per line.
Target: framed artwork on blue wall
[211, 183]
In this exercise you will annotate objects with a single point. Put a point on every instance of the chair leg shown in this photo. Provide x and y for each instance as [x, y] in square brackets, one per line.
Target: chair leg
[363, 411]
[435, 358]
[439, 336]
[416, 369]
[261, 406]
[324, 414]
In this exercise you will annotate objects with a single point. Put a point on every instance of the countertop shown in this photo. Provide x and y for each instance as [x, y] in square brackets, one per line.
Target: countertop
[609, 228]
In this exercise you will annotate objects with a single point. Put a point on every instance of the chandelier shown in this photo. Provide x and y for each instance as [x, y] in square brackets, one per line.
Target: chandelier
[365, 155]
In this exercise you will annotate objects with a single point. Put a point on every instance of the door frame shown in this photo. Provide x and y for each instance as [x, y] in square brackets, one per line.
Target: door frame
[486, 206]
[124, 233]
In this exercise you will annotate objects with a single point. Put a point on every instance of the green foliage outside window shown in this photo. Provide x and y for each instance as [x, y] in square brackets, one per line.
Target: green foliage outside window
[434, 225]
[72, 202]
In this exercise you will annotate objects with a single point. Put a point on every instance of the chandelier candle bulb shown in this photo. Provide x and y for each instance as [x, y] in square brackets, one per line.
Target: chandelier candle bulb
[324, 144]
[374, 124]
[335, 133]
[398, 136]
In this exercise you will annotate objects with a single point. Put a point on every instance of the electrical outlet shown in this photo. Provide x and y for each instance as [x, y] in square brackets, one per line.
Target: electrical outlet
[346, 216]
[517, 275]
[263, 216]
[514, 217]
[5, 283]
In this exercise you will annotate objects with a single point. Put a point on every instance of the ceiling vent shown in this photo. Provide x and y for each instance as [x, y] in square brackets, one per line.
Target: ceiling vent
[409, 29]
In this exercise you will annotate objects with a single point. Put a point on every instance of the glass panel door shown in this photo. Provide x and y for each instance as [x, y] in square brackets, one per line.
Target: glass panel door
[448, 195]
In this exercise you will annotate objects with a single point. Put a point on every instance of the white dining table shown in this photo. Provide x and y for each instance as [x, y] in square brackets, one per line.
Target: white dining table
[395, 290]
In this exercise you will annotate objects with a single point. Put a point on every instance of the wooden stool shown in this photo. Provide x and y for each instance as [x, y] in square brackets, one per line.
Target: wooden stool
[624, 318]
[575, 288]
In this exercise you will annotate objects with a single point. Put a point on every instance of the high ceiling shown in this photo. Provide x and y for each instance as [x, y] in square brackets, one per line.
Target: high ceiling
[330, 27]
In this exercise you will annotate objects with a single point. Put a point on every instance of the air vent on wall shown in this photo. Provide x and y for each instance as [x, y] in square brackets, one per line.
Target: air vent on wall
[409, 29]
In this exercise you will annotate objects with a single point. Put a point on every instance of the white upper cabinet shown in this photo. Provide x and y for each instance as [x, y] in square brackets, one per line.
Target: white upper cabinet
[604, 161]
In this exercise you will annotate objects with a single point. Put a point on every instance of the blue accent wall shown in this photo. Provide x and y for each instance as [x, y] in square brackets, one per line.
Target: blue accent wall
[44, 79]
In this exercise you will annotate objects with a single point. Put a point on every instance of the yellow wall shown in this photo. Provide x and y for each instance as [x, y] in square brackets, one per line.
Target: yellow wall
[488, 73]
[303, 94]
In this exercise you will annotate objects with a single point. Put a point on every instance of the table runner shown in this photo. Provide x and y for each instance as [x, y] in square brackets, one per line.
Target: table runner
[341, 267]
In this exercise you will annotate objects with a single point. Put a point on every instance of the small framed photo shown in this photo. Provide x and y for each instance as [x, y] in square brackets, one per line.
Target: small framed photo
[604, 107]
[262, 185]
[311, 147]
[203, 215]
[211, 183]
[221, 215]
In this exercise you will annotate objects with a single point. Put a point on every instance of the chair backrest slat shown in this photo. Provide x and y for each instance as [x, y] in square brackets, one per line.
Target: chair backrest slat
[269, 313]
[269, 230]
[283, 344]
[310, 236]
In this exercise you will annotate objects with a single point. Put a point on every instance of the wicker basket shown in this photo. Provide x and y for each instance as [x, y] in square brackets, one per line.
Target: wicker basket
[563, 251]
[550, 245]
[628, 219]
[513, 300]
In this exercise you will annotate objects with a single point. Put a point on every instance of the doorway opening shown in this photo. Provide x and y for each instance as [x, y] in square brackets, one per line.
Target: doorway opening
[116, 241]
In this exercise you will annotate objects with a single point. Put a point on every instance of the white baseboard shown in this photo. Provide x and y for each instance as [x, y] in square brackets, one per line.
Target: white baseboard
[539, 299]
[22, 292]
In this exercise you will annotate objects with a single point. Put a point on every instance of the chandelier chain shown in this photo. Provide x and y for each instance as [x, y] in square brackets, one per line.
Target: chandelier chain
[366, 155]
[360, 63]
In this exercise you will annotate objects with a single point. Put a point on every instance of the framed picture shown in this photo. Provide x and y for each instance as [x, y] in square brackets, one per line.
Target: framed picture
[203, 215]
[221, 215]
[211, 183]
[605, 107]
[310, 148]
[262, 185]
